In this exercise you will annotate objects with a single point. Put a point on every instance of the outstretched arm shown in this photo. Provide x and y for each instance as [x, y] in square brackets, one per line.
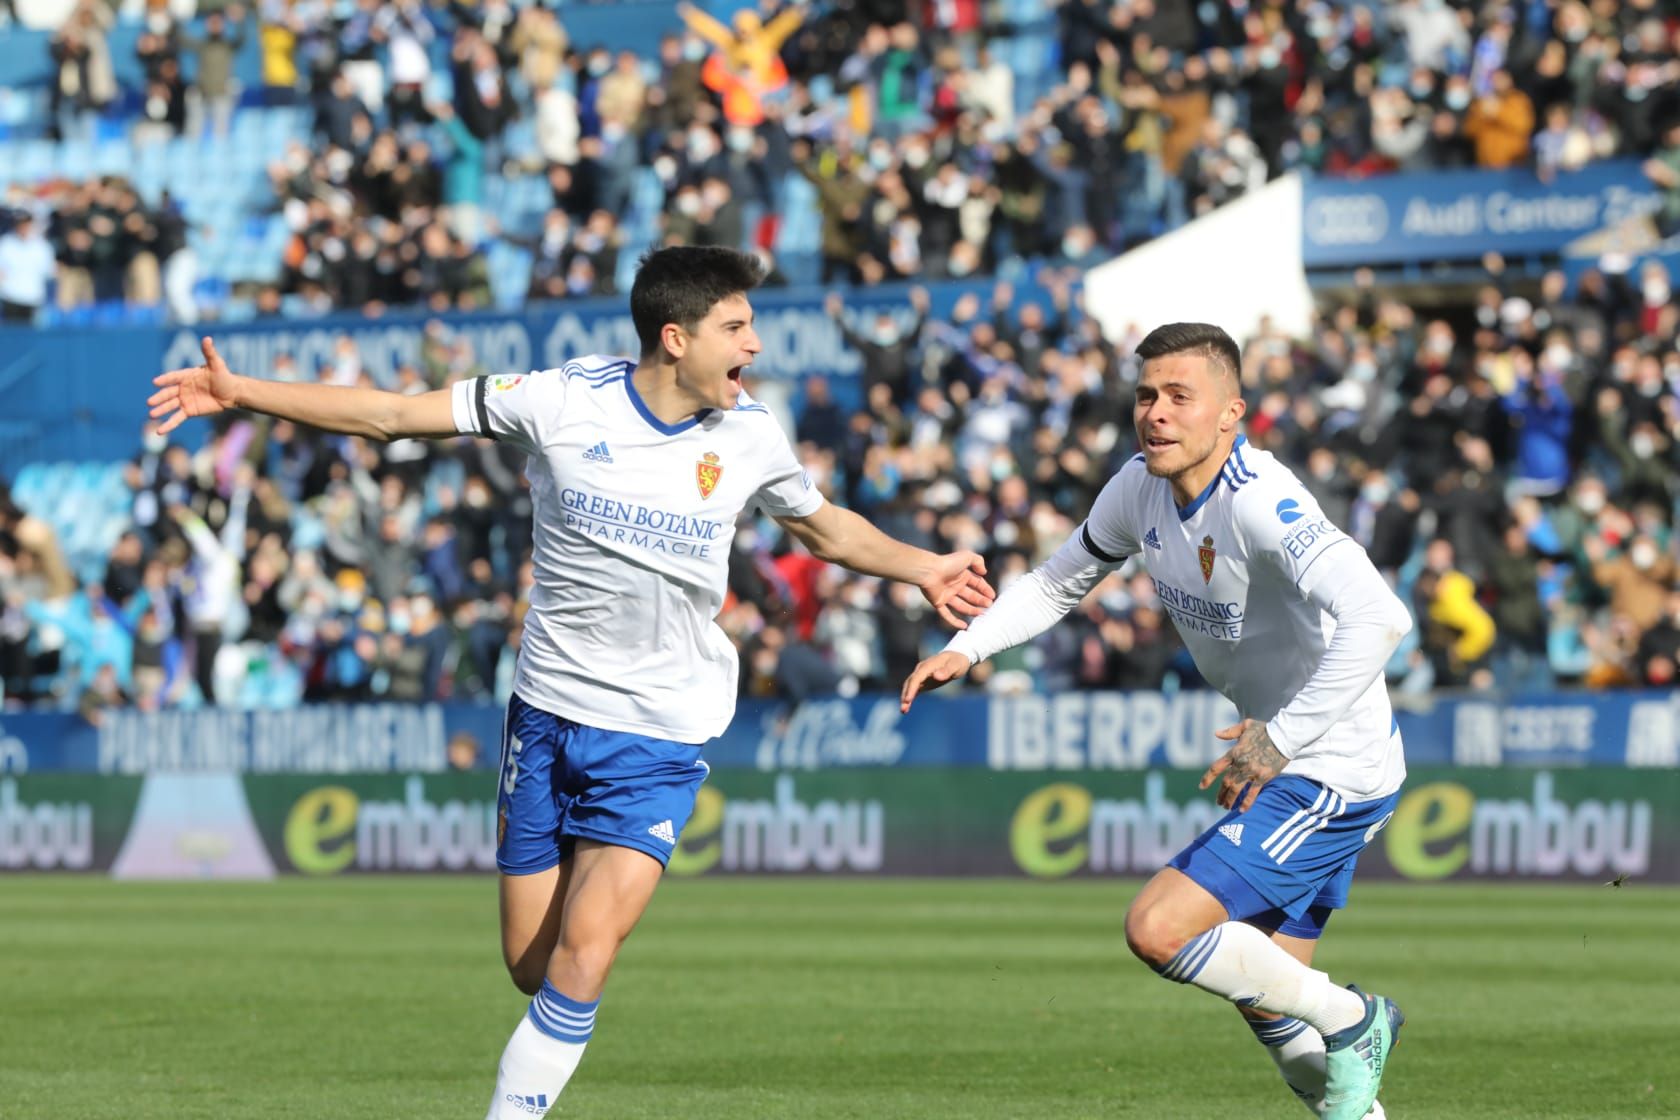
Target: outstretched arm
[954, 584]
[1026, 609]
[211, 388]
[707, 26]
[776, 32]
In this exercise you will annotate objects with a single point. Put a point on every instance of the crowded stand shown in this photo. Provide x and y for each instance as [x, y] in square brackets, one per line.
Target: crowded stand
[1511, 462]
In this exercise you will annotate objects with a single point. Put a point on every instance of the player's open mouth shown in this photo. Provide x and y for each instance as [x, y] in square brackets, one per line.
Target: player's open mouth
[734, 375]
[1155, 443]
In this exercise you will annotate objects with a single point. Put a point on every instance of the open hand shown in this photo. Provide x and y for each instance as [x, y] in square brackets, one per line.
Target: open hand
[195, 391]
[957, 586]
[1246, 767]
[940, 669]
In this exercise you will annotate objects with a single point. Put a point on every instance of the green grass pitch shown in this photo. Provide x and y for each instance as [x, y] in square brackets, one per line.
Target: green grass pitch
[803, 999]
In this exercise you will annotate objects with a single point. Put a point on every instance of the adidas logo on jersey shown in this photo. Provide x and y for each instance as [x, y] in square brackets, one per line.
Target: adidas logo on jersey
[1152, 539]
[598, 453]
[1232, 832]
[664, 831]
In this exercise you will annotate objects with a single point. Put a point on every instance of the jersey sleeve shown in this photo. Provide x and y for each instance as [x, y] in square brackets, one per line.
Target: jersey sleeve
[1038, 600]
[515, 408]
[786, 489]
[1286, 528]
[1107, 530]
[1283, 526]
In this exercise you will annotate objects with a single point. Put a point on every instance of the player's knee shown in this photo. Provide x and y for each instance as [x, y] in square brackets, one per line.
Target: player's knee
[587, 960]
[527, 975]
[1153, 937]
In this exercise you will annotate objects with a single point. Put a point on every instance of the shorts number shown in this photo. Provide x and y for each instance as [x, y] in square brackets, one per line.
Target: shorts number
[510, 762]
[1369, 832]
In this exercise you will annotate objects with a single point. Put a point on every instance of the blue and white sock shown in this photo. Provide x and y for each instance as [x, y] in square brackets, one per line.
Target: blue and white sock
[1298, 1052]
[1240, 963]
[542, 1055]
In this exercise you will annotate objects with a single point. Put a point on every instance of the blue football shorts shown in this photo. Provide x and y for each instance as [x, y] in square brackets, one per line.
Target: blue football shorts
[562, 781]
[1288, 862]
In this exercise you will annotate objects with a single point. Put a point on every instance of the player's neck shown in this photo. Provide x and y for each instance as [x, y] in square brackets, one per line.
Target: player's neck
[1190, 485]
[656, 383]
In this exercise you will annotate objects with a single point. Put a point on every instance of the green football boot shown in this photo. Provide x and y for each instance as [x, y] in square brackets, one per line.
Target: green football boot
[1354, 1058]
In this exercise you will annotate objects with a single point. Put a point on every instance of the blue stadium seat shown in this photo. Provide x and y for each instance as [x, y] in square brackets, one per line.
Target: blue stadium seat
[29, 484]
[33, 159]
[520, 139]
[647, 192]
[113, 157]
[247, 127]
[801, 229]
[75, 159]
[150, 182]
[510, 273]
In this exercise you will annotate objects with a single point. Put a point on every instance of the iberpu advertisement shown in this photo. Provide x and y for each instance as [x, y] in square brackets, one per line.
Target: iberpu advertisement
[1062, 731]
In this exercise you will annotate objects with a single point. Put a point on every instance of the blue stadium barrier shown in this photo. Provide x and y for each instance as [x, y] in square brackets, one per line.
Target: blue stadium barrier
[1035, 732]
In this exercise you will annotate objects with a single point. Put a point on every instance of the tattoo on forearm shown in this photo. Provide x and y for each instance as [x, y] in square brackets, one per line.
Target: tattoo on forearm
[1254, 755]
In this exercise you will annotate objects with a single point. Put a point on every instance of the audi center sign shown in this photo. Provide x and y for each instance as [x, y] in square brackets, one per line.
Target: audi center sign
[1460, 215]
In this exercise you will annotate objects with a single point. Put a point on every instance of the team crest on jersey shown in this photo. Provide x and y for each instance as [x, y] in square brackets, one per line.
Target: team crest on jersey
[502, 382]
[1206, 554]
[707, 472]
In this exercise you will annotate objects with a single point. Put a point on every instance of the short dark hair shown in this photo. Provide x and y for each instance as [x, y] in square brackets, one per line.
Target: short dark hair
[682, 284]
[1204, 339]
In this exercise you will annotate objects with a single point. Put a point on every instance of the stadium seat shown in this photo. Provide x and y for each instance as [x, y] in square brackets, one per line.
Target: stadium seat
[113, 157]
[33, 159]
[75, 159]
[29, 484]
[510, 273]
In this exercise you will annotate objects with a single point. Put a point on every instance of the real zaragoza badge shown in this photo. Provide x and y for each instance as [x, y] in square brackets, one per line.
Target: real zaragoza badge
[707, 472]
[1205, 554]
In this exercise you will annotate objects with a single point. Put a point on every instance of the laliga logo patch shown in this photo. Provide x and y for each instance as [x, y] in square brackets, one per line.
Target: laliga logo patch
[1206, 554]
[707, 472]
[502, 382]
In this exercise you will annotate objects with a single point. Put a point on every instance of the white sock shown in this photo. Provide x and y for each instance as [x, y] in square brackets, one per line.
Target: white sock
[1298, 1052]
[540, 1058]
[1239, 962]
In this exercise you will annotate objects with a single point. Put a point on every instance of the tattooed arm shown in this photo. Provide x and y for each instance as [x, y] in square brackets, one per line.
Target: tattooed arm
[1250, 764]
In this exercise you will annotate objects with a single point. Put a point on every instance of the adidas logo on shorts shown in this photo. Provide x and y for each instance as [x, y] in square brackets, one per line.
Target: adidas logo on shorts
[1232, 832]
[664, 831]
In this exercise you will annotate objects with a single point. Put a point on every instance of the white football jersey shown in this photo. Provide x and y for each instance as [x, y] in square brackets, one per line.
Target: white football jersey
[634, 521]
[1234, 570]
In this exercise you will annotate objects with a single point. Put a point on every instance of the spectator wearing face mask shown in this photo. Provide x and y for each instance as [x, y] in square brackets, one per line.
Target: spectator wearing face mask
[26, 270]
[1642, 450]
[1544, 416]
[886, 350]
[1500, 123]
[1514, 577]
[1458, 632]
[1659, 648]
[1637, 579]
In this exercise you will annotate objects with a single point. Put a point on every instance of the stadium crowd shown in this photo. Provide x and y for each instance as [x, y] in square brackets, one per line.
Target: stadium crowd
[930, 155]
[1516, 476]
[1515, 472]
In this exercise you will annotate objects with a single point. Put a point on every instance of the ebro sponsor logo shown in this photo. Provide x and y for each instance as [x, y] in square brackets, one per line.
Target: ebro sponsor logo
[1347, 219]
